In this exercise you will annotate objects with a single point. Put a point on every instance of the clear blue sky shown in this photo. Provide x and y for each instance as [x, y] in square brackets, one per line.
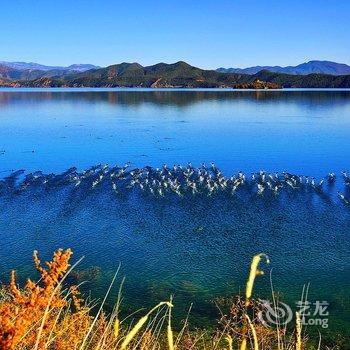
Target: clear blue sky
[205, 33]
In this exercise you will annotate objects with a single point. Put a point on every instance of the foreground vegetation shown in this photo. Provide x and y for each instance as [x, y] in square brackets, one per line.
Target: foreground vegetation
[48, 314]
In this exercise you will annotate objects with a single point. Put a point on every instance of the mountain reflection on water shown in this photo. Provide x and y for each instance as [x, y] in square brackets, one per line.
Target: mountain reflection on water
[173, 97]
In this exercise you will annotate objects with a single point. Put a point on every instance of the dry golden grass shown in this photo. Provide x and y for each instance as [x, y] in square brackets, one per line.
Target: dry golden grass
[47, 315]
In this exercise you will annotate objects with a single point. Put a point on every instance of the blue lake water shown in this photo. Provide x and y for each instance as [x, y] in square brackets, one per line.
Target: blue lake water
[196, 248]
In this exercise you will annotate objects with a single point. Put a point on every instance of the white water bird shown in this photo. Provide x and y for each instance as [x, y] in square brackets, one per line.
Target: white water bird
[331, 177]
[261, 189]
[342, 197]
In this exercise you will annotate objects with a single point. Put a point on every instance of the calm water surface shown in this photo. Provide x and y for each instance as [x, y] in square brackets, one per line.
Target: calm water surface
[249, 130]
[195, 248]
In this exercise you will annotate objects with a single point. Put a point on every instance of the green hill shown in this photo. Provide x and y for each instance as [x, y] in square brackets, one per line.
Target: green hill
[305, 81]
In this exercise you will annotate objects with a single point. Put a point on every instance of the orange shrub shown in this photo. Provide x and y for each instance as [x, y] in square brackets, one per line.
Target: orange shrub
[39, 316]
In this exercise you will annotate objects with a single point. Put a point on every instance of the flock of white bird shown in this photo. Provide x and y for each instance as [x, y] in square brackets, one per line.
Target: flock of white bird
[177, 179]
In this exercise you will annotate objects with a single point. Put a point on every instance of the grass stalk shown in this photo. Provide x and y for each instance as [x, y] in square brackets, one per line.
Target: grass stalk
[140, 323]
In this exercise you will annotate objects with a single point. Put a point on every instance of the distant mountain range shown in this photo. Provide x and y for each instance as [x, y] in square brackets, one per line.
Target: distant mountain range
[41, 67]
[311, 67]
[32, 71]
[161, 75]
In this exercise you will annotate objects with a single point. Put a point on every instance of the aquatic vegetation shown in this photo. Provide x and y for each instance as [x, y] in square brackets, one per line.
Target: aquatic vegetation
[88, 274]
[50, 315]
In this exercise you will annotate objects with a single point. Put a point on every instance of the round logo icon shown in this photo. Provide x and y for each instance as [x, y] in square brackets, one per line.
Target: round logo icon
[274, 314]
